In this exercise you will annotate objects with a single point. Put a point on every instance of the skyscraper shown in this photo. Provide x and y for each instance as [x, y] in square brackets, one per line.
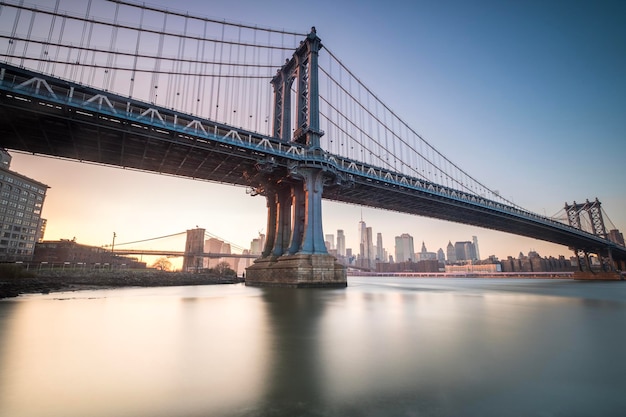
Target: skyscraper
[404, 248]
[369, 253]
[366, 245]
[341, 243]
[476, 252]
[380, 250]
[451, 253]
[330, 242]
[362, 238]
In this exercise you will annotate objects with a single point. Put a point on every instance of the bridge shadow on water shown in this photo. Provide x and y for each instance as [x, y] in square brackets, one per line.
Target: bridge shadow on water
[294, 381]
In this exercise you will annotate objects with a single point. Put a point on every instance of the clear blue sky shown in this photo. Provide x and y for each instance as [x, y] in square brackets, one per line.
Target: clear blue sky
[528, 97]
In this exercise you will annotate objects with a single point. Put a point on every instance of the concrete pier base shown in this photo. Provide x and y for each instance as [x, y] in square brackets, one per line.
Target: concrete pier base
[297, 271]
[599, 276]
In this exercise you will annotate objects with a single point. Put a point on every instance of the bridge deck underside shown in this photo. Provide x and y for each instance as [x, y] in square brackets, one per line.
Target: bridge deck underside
[67, 133]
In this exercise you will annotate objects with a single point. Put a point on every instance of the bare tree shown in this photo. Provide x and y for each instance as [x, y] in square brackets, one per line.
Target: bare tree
[162, 264]
[223, 268]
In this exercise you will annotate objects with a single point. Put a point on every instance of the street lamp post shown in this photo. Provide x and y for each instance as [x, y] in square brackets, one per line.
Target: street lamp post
[112, 250]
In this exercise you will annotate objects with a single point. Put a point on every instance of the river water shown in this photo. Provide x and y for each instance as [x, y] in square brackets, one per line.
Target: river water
[381, 347]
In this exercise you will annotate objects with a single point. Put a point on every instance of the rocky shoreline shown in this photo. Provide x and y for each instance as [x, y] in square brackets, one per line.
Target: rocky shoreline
[56, 281]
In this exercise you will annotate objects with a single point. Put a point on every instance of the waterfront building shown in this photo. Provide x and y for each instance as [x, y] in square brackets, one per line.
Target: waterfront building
[441, 256]
[491, 268]
[21, 205]
[535, 263]
[409, 266]
[67, 253]
[404, 248]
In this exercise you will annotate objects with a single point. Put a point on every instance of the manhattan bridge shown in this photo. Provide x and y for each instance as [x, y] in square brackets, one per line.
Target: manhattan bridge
[131, 85]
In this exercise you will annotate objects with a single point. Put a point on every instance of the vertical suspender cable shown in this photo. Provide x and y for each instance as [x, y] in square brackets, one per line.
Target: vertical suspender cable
[136, 57]
[58, 49]
[219, 79]
[82, 44]
[45, 47]
[154, 85]
[30, 30]
[111, 56]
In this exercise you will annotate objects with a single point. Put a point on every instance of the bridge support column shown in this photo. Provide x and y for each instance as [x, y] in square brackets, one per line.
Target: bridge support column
[305, 262]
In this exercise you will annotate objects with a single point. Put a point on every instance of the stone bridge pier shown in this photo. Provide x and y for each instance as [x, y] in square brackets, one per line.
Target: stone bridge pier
[295, 253]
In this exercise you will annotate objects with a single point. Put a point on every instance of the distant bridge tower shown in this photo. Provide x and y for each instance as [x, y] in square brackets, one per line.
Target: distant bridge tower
[594, 212]
[295, 253]
[194, 248]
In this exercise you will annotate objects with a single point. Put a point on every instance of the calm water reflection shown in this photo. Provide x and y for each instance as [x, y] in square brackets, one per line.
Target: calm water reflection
[381, 347]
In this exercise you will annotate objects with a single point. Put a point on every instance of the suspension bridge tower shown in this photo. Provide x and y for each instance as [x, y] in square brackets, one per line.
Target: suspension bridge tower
[295, 253]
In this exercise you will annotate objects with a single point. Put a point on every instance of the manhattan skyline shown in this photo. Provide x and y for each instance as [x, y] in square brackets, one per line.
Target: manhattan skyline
[527, 98]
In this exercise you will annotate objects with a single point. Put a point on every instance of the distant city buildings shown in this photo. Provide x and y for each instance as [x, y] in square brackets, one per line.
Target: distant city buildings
[21, 204]
[535, 263]
[257, 244]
